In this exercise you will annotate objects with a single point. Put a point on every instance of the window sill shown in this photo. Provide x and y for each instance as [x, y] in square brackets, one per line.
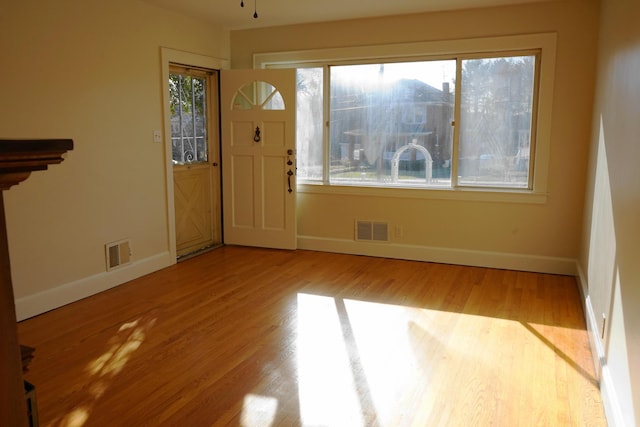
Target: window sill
[464, 194]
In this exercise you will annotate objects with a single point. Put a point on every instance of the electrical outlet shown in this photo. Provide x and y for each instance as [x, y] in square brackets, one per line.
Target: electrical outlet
[157, 135]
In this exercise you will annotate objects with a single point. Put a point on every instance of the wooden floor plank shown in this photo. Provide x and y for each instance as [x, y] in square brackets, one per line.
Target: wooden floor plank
[258, 337]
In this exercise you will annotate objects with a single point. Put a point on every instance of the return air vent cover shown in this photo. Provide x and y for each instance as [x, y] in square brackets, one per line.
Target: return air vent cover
[372, 231]
[118, 254]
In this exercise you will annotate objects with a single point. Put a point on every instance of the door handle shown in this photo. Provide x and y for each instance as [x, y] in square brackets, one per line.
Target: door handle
[289, 175]
[289, 172]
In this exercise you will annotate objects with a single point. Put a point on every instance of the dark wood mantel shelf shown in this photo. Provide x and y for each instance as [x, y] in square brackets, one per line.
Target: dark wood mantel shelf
[18, 158]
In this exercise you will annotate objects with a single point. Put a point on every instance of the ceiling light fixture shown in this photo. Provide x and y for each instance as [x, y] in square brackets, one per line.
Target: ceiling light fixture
[255, 9]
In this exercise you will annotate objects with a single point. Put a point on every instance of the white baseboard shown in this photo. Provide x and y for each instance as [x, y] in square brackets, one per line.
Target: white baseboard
[610, 401]
[39, 303]
[500, 260]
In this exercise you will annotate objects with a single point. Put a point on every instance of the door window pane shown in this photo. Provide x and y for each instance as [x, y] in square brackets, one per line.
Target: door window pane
[260, 95]
[188, 104]
[495, 121]
[390, 124]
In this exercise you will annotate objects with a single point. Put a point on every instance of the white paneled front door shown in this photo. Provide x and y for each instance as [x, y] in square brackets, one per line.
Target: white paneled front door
[258, 157]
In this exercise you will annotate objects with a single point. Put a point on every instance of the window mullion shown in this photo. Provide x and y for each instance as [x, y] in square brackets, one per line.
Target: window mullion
[193, 119]
[180, 99]
[456, 124]
[533, 126]
[326, 107]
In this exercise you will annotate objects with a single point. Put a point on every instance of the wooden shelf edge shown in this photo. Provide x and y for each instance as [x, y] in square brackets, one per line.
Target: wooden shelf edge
[20, 157]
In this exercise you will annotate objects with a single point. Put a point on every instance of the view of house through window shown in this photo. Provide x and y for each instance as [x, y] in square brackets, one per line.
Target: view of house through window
[392, 124]
[379, 109]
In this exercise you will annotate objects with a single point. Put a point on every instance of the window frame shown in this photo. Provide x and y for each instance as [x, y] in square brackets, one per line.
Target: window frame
[543, 43]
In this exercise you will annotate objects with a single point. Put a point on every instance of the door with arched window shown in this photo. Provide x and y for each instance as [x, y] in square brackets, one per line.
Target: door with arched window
[258, 157]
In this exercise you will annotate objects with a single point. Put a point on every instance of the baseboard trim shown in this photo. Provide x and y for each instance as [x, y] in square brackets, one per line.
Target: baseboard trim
[610, 401]
[33, 305]
[535, 263]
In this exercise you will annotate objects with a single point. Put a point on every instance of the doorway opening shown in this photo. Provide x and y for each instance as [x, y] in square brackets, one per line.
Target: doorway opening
[195, 146]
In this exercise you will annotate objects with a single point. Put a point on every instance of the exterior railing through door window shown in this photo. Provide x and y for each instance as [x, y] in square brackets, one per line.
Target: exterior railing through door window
[188, 118]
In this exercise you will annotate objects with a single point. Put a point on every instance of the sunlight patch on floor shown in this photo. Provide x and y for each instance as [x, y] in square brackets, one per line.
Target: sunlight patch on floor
[76, 418]
[112, 361]
[366, 363]
[327, 392]
[101, 370]
[359, 362]
[258, 411]
[386, 337]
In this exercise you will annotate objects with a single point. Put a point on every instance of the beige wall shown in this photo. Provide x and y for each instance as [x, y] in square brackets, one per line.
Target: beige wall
[89, 70]
[611, 238]
[476, 232]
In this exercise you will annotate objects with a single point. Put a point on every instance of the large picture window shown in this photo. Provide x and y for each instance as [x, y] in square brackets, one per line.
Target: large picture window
[464, 120]
[390, 123]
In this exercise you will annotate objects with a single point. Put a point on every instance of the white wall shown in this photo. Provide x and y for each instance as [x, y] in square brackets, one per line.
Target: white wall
[88, 70]
[539, 237]
[611, 236]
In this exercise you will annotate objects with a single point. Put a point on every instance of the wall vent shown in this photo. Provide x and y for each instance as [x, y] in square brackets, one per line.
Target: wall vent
[118, 254]
[372, 231]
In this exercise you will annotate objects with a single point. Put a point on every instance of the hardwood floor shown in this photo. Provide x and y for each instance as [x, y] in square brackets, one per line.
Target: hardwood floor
[258, 337]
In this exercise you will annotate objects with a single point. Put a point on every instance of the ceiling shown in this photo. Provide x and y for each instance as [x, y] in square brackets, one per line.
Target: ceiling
[229, 14]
